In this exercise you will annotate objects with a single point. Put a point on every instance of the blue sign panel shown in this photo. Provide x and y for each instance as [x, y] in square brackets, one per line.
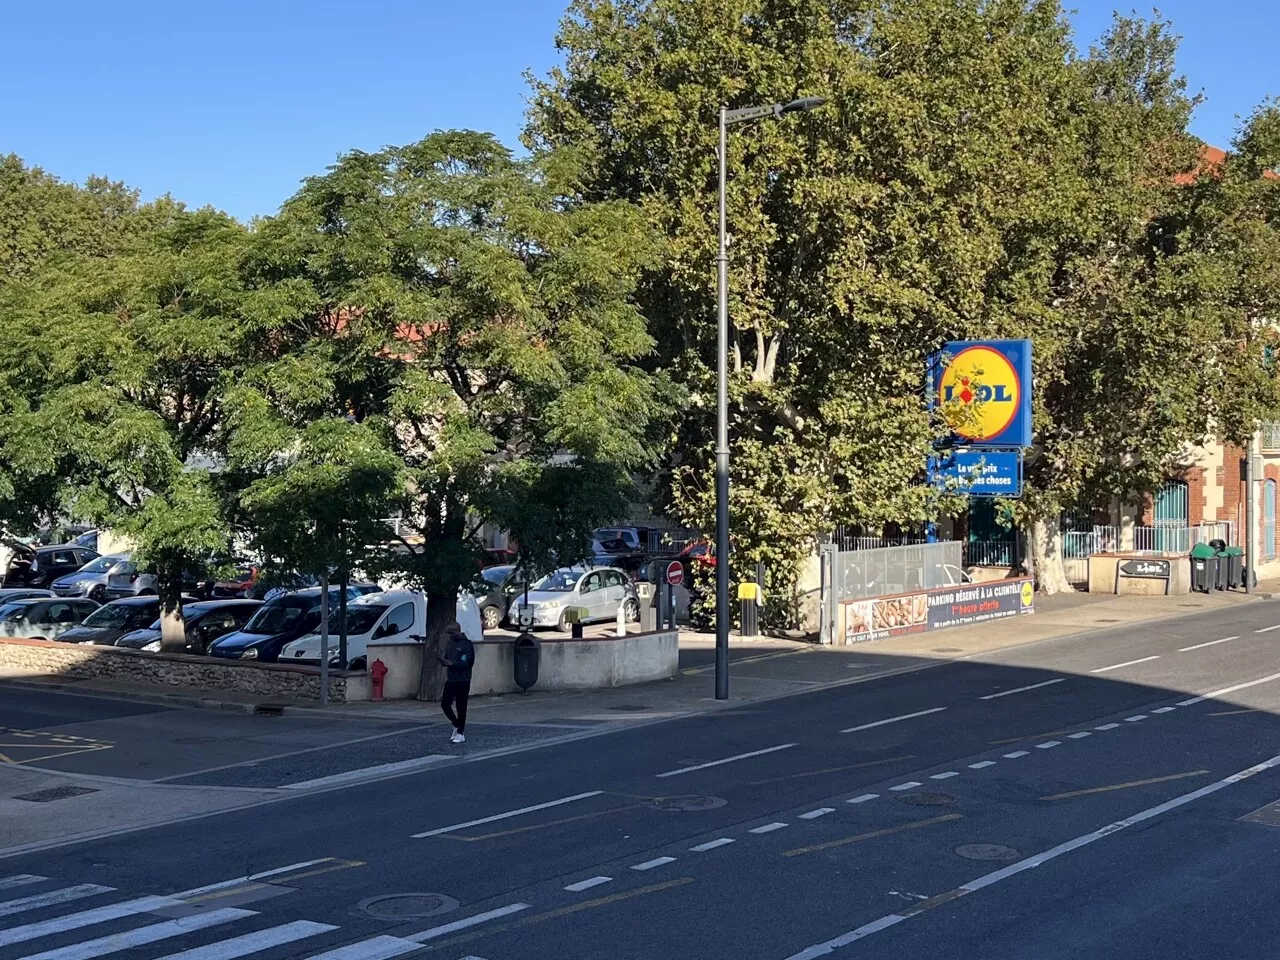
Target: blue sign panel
[979, 473]
[983, 388]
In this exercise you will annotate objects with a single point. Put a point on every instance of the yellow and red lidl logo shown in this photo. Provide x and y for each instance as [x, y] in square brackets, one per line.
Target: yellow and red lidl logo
[984, 391]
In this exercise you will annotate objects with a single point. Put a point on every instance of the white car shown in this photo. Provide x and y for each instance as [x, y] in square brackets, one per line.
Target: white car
[392, 616]
[596, 592]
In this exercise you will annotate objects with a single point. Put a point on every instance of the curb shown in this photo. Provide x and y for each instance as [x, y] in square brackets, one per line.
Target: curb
[162, 699]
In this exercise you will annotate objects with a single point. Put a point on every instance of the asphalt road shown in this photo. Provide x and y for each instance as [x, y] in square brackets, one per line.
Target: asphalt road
[1081, 797]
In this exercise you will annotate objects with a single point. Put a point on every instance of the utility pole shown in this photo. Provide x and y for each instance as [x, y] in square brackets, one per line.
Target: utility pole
[1250, 534]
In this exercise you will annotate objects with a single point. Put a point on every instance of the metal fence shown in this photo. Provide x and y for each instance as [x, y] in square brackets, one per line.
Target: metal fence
[990, 553]
[862, 574]
[1079, 545]
[843, 539]
[1163, 538]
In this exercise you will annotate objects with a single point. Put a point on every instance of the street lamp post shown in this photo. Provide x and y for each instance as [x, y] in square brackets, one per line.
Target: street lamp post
[727, 117]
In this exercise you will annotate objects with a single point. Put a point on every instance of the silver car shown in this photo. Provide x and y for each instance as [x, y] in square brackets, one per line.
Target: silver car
[596, 591]
[90, 580]
[43, 619]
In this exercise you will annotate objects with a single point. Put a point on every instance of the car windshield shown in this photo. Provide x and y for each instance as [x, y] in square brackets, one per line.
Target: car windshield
[281, 615]
[360, 619]
[101, 565]
[562, 581]
[12, 612]
[120, 615]
[496, 575]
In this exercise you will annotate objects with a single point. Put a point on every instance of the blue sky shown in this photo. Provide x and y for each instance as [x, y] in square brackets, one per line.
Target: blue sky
[233, 102]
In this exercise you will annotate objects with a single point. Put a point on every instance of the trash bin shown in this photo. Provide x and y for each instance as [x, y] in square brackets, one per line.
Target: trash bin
[1235, 567]
[1220, 574]
[527, 653]
[1204, 568]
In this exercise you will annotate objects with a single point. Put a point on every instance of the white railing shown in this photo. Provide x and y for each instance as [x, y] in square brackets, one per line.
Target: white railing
[989, 553]
[1269, 436]
[1079, 545]
[1177, 539]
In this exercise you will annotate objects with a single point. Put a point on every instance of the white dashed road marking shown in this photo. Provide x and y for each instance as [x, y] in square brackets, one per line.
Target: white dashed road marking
[1016, 754]
[1048, 743]
[1163, 710]
[712, 844]
[767, 828]
[905, 786]
[1107, 726]
[465, 922]
[1034, 686]
[944, 776]
[1141, 716]
[1225, 690]
[881, 723]
[655, 862]
[1079, 736]
[587, 884]
[1201, 646]
[864, 798]
[815, 814]
[1268, 629]
[733, 759]
[982, 764]
[1127, 663]
[503, 816]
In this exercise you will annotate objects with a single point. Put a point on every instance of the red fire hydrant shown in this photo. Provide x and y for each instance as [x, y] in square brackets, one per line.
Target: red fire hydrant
[377, 673]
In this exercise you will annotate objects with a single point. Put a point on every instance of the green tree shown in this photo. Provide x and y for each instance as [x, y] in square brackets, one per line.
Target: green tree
[471, 310]
[972, 175]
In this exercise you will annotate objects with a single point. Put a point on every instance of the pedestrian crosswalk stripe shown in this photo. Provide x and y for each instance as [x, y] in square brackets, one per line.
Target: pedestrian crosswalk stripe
[53, 897]
[253, 942]
[375, 948]
[140, 936]
[86, 918]
[21, 880]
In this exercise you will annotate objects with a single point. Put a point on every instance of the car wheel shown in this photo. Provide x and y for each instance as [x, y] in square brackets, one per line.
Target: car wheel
[491, 617]
[564, 626]
[37, 638]
[631, 610]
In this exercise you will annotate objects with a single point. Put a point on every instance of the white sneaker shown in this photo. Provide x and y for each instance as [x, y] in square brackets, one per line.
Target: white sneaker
[458, 738]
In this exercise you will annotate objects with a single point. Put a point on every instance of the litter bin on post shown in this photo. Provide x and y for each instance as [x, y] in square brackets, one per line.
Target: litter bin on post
[1204, 568]
[1235, 567]
[527, 654]
[749, 595]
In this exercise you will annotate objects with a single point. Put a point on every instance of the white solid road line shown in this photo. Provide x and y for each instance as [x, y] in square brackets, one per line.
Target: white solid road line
[1225, 690]
[906, 786]
[875, 926]
[375, 948]
[587, 884]
[815, 814]
[982, 764]
[253, 942]
[465, 922]
[1201, 646]
[864, 798]
[53, 897]
[767, 828]
[655, 862]
[140, 936]
[508, 814]
[86, 918]
[733, 759]
[712, 845]
[224, 884]
[881, 723]
[1268, 629]
[20, 880]
[1127, 663]
[364, 773]
[1034, 686]
[1016, 754]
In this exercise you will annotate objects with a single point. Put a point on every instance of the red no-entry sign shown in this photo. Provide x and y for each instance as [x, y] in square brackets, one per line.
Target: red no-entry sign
[675, 573]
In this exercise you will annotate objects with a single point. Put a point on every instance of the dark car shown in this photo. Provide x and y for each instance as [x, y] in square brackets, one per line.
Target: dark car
[108, 624]
[277, 622]
[40, 566]
[43, 618]
[504, 585]
[9, 594]
[204, 621]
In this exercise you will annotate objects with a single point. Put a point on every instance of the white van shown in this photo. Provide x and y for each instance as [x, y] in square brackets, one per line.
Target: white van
[393, 616]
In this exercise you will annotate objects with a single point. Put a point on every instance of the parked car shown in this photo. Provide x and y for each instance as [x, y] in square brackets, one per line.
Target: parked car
[205, 621]
[90, 580]
[109, 623]
[597, 590]
[281, 619]
[356, 589]
[498, 556]
[613, 538]
[242, 583]
[389, 617]
[634, 565]
[9, 594]
[43, 618]
[126, 580]
[495, 603]
[697, 553]
[40, 566]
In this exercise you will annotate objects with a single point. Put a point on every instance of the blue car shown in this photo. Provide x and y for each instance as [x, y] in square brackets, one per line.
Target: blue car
[279, 621]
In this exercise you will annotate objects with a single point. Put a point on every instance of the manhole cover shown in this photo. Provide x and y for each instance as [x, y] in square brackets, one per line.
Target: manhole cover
[629, 707]
[686, 803]
[55, 793]
[986, 851]
[400, 906]
[927, 799]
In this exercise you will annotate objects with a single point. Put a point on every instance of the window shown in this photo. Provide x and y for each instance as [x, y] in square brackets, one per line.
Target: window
[83, 608]
[592, 582]
[612, 578]
[1269, 520]
[398, 620]
[64, 558]
[58, 613]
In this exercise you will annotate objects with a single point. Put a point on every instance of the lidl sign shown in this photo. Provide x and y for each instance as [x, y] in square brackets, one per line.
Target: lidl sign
[983, 388]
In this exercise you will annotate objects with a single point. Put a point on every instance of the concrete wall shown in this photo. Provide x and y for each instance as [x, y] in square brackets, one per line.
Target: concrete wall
[587, 664]
[1103, 579]
[166, 670]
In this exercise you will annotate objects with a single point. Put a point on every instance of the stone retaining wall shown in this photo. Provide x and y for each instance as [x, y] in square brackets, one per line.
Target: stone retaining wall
[169, 670]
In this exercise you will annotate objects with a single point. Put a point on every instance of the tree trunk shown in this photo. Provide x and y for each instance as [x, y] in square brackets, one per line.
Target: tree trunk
[343, 583]
[440, 613]
[173, 632]
[1046, 557]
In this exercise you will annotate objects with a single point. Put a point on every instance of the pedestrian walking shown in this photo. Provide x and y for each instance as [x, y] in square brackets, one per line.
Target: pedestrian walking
[459, 657]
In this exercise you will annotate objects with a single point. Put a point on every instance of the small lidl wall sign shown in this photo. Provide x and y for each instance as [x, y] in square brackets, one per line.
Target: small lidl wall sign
[983, 388]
